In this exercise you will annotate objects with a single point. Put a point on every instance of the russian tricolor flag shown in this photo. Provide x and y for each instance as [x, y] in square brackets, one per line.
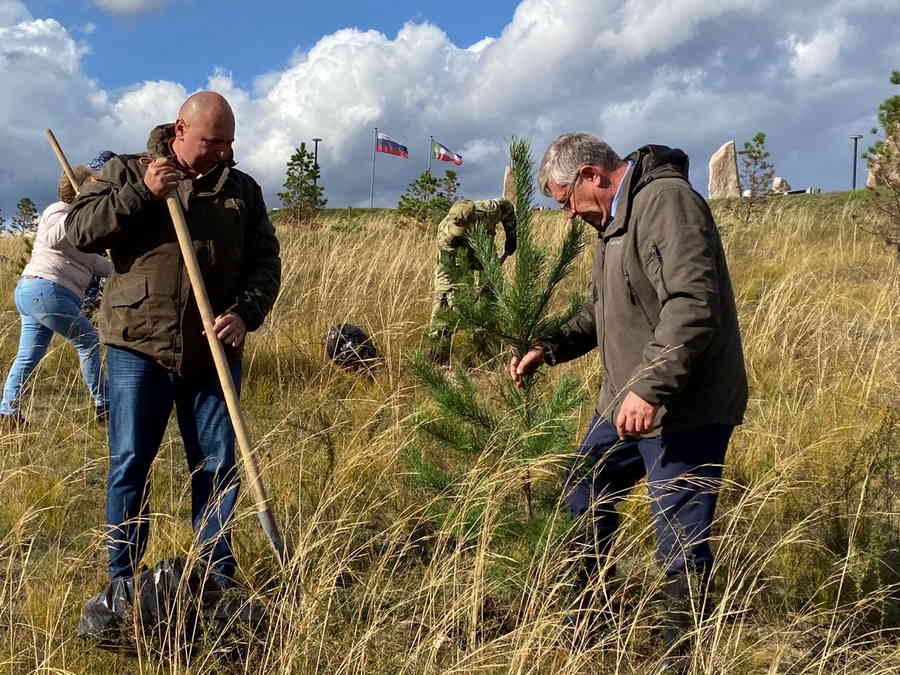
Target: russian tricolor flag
[385, 143]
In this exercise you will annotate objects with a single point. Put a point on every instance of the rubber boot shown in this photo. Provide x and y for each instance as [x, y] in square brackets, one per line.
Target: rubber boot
[589, 605]
[684, 599]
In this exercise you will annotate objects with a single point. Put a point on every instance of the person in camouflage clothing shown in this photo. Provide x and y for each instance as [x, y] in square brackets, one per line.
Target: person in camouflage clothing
[452, 242]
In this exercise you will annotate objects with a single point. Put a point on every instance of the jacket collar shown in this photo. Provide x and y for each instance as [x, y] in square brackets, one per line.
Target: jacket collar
[649, 162]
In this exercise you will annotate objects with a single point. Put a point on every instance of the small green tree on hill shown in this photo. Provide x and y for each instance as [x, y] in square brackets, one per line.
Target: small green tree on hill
[889, 119]
[429, 198]
[757, 173]
[26, 217]
[884, 162]
[302, 196]
[481, 452]
[25, 222]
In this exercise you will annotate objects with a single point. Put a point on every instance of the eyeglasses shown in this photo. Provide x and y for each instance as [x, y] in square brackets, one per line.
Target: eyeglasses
[566, 203]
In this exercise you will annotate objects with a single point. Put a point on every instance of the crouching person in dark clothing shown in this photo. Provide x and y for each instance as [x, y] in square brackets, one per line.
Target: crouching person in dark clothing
[157, 355]
[661, 309]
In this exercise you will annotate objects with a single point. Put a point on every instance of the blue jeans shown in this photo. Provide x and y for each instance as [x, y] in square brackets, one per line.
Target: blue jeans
[683, 471]
[47, 308]
[142, 394]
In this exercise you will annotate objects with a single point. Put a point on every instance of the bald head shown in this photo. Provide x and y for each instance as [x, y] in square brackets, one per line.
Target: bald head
[204, 131]
[205, 104]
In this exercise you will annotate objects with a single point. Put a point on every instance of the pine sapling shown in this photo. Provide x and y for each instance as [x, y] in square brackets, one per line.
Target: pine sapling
[476, 437]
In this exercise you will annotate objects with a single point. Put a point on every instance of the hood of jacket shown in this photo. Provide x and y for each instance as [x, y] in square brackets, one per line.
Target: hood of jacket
[652, 162]
[159, 143]
[649, 163]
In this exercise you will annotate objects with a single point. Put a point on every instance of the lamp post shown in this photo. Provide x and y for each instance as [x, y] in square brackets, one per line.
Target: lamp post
[316, 158]
[855, 138]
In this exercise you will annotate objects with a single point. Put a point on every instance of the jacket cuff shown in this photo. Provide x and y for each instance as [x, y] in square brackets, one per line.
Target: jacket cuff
[248, 315]
[550, 357]
[135, 195]
[646, 391]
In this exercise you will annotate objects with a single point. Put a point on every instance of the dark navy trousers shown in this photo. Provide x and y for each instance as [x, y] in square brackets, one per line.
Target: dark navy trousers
[142, 394]
[683, 472]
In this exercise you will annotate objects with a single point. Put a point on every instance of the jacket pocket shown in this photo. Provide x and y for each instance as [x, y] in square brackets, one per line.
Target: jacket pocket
[206, 254]
[233, 210]
[227, 243]
[130, 309]
[635, 300]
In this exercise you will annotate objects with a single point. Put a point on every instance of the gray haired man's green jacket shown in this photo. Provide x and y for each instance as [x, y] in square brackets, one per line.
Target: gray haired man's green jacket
[660, 305]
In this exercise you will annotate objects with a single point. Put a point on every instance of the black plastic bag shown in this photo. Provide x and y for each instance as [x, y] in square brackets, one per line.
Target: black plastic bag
[161, 605]
[170, 608]
[349, 346]
[106, 617]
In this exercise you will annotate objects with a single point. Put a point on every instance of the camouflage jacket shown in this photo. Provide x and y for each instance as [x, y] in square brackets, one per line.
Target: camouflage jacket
[148, 305]
[464, 214]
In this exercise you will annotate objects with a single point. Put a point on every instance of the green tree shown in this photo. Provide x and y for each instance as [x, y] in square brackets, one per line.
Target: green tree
[26, 216]
[302, 196]
[757, 173]
[481, 450]
[25, 222]
[889, 119]
[428, 198]
[881, 214]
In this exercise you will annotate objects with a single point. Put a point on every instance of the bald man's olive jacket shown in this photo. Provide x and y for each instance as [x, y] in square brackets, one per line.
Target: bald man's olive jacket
[148, 305]
[661, 307]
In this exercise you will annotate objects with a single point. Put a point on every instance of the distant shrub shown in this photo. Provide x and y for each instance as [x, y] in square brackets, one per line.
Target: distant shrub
[303, 196]
[429, 198]
[757, 173]
[884, 162]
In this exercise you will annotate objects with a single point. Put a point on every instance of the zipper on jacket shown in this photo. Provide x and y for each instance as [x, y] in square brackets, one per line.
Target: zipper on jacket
[178, 345]
[658, 255]
[602, 296]
[636, 301]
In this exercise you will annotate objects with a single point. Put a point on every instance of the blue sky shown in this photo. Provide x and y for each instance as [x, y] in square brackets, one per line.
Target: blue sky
[693, 75]
[184, 39]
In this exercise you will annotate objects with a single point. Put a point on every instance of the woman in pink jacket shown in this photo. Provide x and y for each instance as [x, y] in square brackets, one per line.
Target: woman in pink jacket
[48, 297]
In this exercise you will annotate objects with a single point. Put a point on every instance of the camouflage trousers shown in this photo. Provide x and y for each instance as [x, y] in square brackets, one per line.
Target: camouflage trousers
[443, 294]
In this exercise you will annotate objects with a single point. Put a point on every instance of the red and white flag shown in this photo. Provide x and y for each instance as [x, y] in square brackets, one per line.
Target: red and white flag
[444, 154]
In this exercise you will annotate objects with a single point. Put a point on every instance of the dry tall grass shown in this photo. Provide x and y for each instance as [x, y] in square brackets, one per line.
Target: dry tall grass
[807, 533]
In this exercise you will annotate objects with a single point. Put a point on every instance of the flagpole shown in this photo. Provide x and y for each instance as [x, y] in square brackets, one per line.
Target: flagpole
[374, 150]
[430, 146]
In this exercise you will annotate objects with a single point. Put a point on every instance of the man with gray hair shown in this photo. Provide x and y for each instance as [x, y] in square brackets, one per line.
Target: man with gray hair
[661, 310]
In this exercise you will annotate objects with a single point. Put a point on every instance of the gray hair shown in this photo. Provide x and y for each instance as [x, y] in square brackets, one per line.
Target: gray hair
[568, 153]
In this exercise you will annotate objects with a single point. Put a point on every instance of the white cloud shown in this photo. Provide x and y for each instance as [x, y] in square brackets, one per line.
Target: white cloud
[130, 6]
[12, 12]
[817, 56]
[681, 72]
[146, 105]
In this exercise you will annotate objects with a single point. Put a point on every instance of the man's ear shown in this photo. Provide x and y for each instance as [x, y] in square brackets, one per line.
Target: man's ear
[593, 175]
[180, 126]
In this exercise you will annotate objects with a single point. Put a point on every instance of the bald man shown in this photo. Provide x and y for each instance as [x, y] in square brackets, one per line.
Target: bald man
[157, 355]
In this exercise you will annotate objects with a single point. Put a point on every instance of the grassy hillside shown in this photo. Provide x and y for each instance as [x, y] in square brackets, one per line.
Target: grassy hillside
[808, 532]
